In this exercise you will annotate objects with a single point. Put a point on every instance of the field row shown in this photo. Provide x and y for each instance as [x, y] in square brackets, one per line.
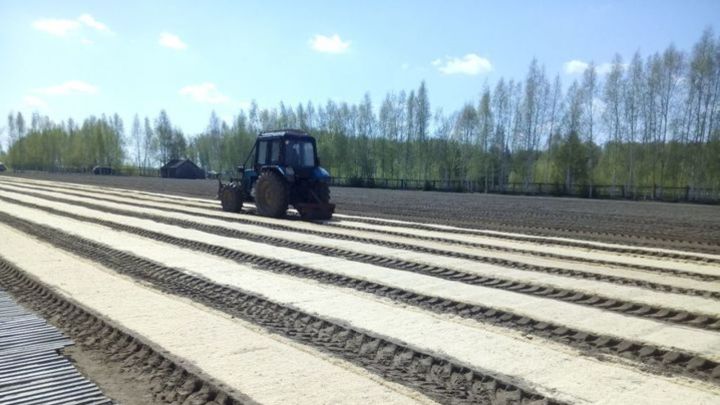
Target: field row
[363, 309]
[691, 227]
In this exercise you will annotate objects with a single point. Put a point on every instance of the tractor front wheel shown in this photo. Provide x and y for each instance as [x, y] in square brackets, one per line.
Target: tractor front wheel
[271, 195]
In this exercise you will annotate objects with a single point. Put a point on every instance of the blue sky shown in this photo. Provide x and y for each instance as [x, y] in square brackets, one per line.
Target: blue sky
[76, 58]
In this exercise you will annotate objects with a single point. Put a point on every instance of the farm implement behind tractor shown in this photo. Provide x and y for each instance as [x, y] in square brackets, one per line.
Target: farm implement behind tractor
[285, 171]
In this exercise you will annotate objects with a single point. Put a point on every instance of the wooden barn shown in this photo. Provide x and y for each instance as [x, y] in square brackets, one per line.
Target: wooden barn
[181, 169]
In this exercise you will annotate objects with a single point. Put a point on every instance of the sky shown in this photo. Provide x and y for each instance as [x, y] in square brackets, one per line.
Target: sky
[79, 58]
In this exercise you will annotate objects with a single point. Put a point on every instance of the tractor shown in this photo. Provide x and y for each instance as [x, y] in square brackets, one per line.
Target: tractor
[285, 171]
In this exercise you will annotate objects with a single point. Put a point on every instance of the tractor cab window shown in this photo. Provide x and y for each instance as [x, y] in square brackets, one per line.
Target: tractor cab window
[299, 153]
[269, 152]
[275, 152]
[262, 152]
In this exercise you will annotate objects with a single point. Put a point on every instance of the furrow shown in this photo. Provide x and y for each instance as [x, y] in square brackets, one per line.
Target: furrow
[136, 194]
[649, 242]
[613, 248]
[642, 250]
[381, 236]
[172, 380]
[491, 220]
[434, 376]
[395, 262]
[496, 240]
[657, 358]
[540, 364]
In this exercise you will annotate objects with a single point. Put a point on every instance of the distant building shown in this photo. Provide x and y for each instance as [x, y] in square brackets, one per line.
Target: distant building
[103, 170]
[181, 169]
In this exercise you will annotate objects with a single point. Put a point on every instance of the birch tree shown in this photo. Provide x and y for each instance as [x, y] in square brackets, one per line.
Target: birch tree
[613, 113]
[589, 88]
[136, 138]
[150, 144]
[422, 120]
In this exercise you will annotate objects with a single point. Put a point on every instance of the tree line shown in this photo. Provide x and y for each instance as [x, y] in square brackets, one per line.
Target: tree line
[647, 121]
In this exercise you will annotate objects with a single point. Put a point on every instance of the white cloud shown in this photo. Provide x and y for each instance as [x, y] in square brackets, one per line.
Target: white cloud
[575, 66]
[57, 27]
[34, 102]
[69, 87]
[89, 21]
[86, 41]
[607, 67]
[405, 66]
[61, 27]
[470, 64]
[604, 68]
[172, 41]
[204, 93]
[331, 44]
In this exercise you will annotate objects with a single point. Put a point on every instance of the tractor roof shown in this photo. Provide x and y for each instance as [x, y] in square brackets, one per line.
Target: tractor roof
[284, 132]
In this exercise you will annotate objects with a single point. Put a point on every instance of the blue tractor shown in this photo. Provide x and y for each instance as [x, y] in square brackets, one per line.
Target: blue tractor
[285, 171]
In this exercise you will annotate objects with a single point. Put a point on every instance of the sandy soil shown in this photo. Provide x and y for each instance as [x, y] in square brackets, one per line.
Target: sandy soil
[579, 258]
[110, 377]
[416, 328]
[264, 367]
[186, 328]
[671, 225]
[560, 312]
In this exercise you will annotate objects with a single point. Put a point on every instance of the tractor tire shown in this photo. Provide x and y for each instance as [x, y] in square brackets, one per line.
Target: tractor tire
[271, 195]
[322, 191]
[231, 199]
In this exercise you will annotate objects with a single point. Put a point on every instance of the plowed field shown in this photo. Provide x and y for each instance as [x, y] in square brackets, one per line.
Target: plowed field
[403, 297]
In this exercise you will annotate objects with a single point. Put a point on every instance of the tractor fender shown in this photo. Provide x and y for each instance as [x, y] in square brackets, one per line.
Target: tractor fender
[276, 168]
[286, 172]
[320, 174]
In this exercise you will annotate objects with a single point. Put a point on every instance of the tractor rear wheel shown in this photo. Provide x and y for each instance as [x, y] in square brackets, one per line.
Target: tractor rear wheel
[271, 195]
[231, 199]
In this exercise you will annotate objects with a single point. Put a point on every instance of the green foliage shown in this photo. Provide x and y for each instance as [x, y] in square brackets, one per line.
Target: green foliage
[51, 147]
[652, 123]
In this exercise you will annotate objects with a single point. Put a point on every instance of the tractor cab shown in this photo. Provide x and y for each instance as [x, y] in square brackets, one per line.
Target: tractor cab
[292, 152]
[285, 170]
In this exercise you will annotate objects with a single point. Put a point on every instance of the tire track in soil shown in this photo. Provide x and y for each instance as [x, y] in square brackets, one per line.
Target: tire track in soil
[149, 368]
[512, 223]
[664, 226]
[647, 356]
[420, 226]
[405, 246]
[394, 263]
[534, 239]
[564, 294]
[565, 243]
[435, 377]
